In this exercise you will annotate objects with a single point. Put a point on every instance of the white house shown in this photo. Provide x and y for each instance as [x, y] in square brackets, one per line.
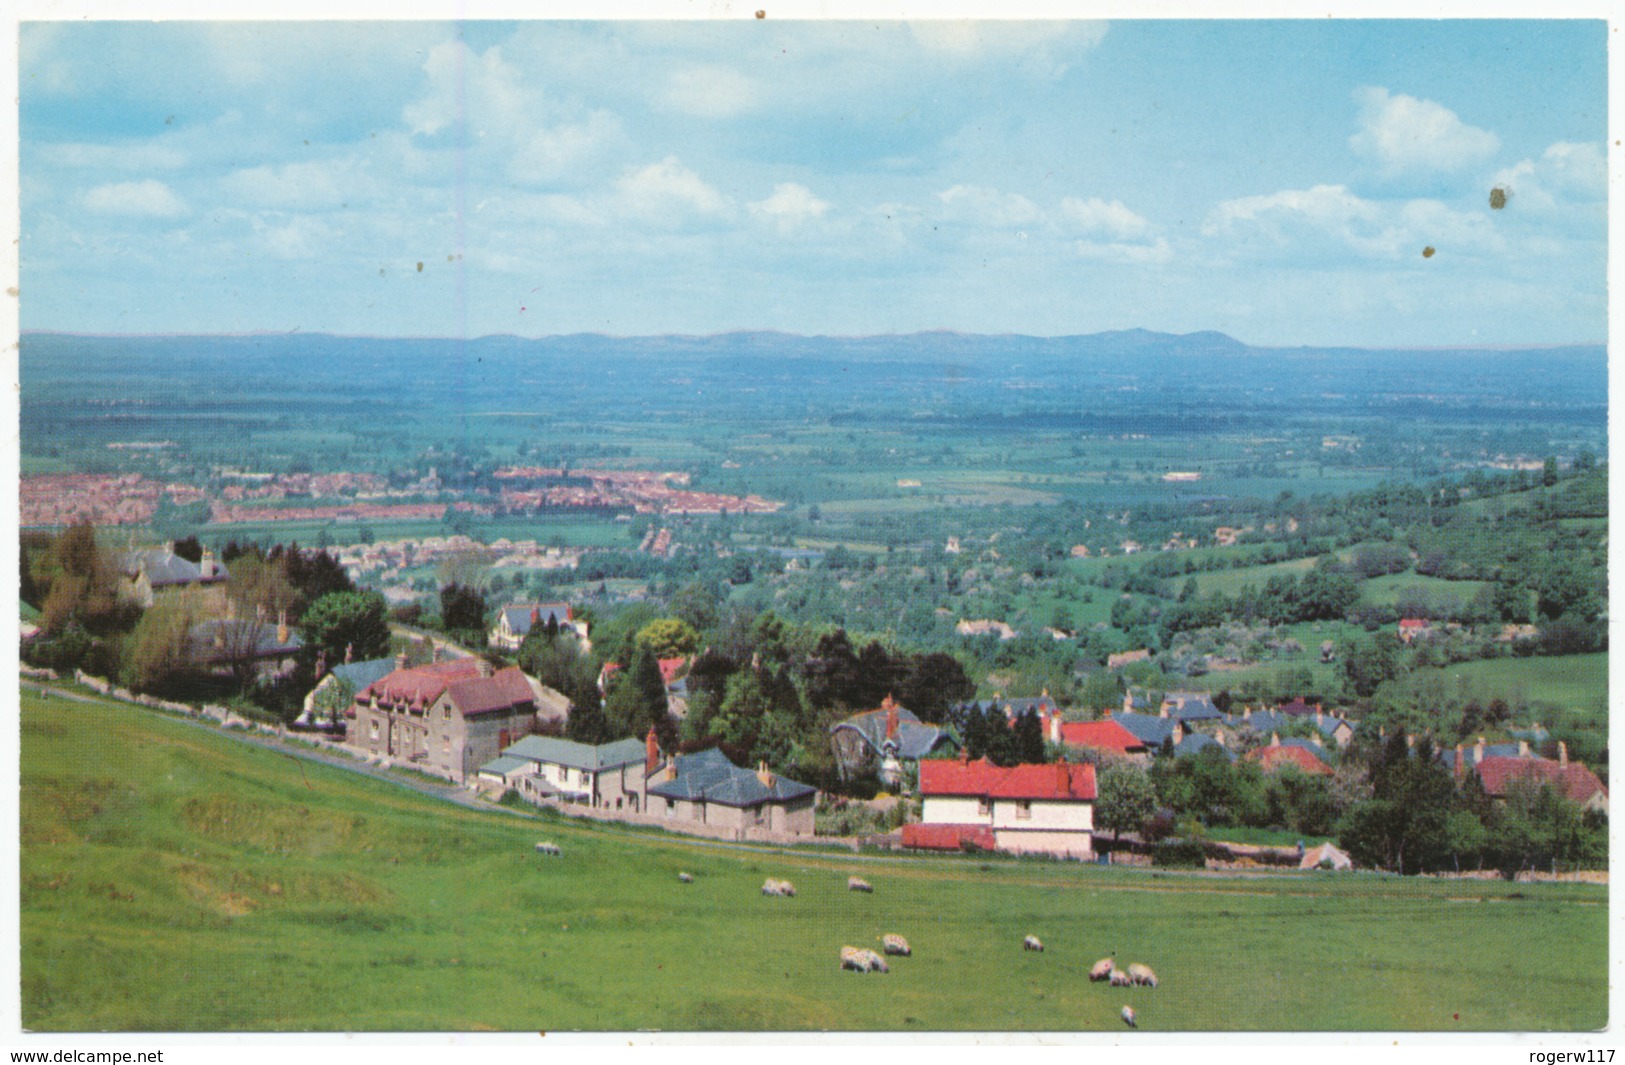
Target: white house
[1038, 809]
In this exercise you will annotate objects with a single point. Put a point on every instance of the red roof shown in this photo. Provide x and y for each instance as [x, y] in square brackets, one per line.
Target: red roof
[1105, 735]
[1273, 758]
[1574, 780]
[1413, 623]
[948, 837]
[470, 692]
[670, 667]
[1057, 780]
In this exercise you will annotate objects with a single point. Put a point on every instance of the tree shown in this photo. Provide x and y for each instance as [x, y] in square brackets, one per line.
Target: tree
[1368, 663]
[669, 638]
[462, 608]
[637, 699]
[933, 684]
[1125, 798]
[158, 648]
[1027, 740]
[1101, 691]
[356, 622]
[1548, 471]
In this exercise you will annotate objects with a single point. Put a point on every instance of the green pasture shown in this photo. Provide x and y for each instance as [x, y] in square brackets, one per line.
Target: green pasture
[173, 879]
[1386, 590]
[1563, 681]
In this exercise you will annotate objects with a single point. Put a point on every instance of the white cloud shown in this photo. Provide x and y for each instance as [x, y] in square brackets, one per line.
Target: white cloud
[1566, 172]
[144, 199]
[127, 156]
[1153, 254]
[1046, 48]
[299, 185]
[566, 150]
[711, 91]
[667, 189]
[1328, 220]
[990, 207]
[1095, 216]
[477, 90]
[790, 207]
[1404, 133]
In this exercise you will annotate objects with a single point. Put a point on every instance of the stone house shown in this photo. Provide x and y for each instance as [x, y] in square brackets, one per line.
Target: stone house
[881, 741]
[446, 718]
[150, 574]
[706, 788]
[607, 776]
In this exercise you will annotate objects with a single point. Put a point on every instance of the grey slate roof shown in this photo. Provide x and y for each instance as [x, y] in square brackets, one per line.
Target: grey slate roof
[240, 638]
[1267, 721]
[518, 615]
[504, 764]
[915, 739]
[1196, 743]
[1447, 755]
[362, 675]
[709, 776]
[162, 566]
[1149, 729]
[578, 755]
[1193, 706]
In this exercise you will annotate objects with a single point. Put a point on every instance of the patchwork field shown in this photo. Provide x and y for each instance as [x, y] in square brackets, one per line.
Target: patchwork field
[174, 879]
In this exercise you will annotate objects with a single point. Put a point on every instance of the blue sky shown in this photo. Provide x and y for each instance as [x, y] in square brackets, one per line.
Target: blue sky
[1274, 180]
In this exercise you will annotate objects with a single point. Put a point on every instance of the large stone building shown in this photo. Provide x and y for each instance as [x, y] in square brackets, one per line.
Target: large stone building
[609, 776]
[446, 718]
[882, 741]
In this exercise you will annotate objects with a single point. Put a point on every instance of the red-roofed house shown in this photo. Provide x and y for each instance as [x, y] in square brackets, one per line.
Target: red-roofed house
[1103, 735]
[1035, 809]
[1276, 756]
[1572, 780]
[1410, 628]
[446, 718]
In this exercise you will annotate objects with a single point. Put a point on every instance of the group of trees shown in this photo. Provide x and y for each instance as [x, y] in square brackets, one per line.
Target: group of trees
[1391, 805]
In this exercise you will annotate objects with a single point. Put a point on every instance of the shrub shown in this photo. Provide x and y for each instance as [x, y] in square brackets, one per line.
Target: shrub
[1180, 854]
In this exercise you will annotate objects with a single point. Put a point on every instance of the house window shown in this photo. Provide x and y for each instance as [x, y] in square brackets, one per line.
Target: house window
[445, 745]
[1024, 810]
[984, 807]
[375, 728]
[446, 712]
[670, 805]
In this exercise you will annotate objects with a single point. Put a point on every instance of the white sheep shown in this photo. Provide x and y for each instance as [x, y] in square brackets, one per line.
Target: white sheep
[1121, 979]
[1102, 969]
[1142, 975]
[548, 848]
[1032, 943]
[782, 888]
[1128, 1017]
[685, 878]
[855, 959]
[896, 944]
[854, 883]
[877, 964]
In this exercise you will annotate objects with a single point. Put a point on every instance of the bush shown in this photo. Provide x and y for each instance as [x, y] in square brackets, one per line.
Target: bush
[1180, 854]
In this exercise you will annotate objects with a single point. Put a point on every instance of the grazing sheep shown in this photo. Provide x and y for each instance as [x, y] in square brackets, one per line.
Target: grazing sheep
[1128, 1017]
[782, 888]
[1121, 979]
[685, 878]
[1032, 943]
[877, 964]
[548, 848]
[854, 959]
[1103, 969]
[896, 944]
[854, 883]
[1142, 975]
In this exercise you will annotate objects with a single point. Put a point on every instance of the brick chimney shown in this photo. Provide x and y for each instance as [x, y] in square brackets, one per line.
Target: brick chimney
[964, 756]
[1246, 712]
[1562, 754]
[485, 667]
[1410, 739]
[535, 616]
[1063, 777]
[651, 753]
[1461, 761]
[890, 706]
[1478, 751]
[671, 767]
[1523, 748]
[764, 775]
[282, 626]
[1275, 739]
[206, 566]
[349, 652]
[1218, 736]
[400, 660]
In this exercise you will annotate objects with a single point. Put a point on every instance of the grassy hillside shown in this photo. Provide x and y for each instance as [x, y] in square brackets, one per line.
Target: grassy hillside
[176, 879]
